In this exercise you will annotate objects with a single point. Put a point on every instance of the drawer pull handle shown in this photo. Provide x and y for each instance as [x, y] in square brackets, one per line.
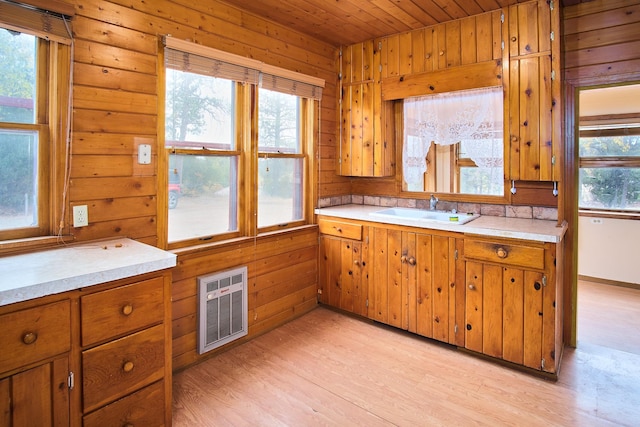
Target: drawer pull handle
[29, 338]
[127, 367]
[338, 229]
[412, 261]
[127, 309]
[502, 253]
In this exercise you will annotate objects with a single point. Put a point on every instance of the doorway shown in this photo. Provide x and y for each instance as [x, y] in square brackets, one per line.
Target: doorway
[608, 227]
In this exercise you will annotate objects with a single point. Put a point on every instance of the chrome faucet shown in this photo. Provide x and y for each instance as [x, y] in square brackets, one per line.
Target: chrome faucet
[432, 202]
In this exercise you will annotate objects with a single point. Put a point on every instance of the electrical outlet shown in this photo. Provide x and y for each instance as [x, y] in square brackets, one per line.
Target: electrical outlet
[80, 216]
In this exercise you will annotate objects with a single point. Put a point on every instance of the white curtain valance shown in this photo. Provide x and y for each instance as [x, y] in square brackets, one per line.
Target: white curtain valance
[472, 117]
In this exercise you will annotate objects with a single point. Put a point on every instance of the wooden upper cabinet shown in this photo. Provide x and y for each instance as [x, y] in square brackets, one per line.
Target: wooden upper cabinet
[366, 147]
[534, 91]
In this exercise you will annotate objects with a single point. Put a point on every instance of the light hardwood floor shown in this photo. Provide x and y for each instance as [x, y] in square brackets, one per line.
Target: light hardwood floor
[327, 368]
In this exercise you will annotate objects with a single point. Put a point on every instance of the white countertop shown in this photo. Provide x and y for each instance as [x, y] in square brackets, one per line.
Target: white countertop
[514, 228]
[33, 275]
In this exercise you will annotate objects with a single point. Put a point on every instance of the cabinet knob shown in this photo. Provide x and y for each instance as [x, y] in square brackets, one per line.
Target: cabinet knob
[514, 38]
[127, 367]
[403, 258]
[127, 309]
[502, 252]
[338, 229]
[412, 261]
[472, 286]
[29, 338]
[356, 262]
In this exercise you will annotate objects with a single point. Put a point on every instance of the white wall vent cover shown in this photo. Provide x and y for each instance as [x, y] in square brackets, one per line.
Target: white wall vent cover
[222, 308]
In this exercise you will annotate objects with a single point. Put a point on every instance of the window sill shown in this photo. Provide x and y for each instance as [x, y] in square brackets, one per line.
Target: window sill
[238, 241]
[32, 244]
[609, 214]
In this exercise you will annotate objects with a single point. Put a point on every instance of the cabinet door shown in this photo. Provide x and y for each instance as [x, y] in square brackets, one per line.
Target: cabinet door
[343, 274]
[530, 119]
[435, 287]
[529, 28]
[36, 397]
[388, 294]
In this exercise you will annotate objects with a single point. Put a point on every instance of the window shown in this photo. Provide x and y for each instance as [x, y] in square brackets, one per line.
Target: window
[34, 62]
[237, 141]
[281, 159]
[453, 142]
[610, 167]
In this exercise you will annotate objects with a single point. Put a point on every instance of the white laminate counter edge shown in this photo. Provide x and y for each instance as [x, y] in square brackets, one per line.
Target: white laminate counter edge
[513, 228]
[28, 276]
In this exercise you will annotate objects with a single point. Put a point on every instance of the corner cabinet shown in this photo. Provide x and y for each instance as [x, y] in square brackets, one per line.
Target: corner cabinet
[95, 356]
[366, 122]
[511, 295]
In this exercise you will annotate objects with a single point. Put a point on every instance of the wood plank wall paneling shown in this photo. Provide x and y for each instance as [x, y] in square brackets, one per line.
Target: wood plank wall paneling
[116, 105]
[116, 109]
[282, 276]
[602, 42]
[444, 48]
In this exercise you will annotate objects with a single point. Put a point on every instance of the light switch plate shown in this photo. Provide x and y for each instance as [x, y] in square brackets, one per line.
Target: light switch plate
[144, 154]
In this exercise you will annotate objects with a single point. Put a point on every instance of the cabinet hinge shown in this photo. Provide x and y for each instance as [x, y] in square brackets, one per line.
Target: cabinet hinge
[502, 45]
[70, 380]
[455, 256]
[366, 240]
[551, 5]
[455, 328]
[366, 303]
[553, 35]
[379, 46]
[340, 53]
[380, 67]
[544, 280]
[502, 18]
[553, 160]
[553, 74]
[542, 363]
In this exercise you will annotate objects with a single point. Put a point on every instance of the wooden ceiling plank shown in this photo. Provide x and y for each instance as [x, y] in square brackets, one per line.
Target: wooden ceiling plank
[452, 8]
[488, 5]
[471, 7]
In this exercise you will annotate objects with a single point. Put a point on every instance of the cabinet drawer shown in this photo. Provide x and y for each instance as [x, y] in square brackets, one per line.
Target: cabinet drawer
[142, 408]
[340, 229]
[115, 369]
[121, 310]
[505, 253]
[34, 334]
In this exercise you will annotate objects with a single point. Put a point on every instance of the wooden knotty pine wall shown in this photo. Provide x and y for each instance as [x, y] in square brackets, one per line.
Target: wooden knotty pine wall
[116, 109]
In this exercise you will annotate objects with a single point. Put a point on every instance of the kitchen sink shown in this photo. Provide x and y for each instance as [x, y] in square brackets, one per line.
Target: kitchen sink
[425, 215]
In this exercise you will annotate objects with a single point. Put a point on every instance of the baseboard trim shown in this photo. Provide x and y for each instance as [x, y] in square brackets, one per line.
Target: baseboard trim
[609, 282]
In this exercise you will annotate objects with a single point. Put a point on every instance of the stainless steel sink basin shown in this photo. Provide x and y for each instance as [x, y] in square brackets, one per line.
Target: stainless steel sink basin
[425, 215]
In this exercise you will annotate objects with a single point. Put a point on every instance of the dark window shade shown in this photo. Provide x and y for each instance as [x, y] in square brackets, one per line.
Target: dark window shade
[197, 64]
[29, 20]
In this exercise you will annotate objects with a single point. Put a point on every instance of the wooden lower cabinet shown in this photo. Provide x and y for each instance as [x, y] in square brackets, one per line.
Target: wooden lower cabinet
[413, 283]
[513, 302]
[97, 356]
[38, 396]
[394, 275]
[494, 296]
[344, 273]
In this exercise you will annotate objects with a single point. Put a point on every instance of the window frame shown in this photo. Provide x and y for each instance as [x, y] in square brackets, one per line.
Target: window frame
[246, 134]
[607, 162]
[53, 67]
